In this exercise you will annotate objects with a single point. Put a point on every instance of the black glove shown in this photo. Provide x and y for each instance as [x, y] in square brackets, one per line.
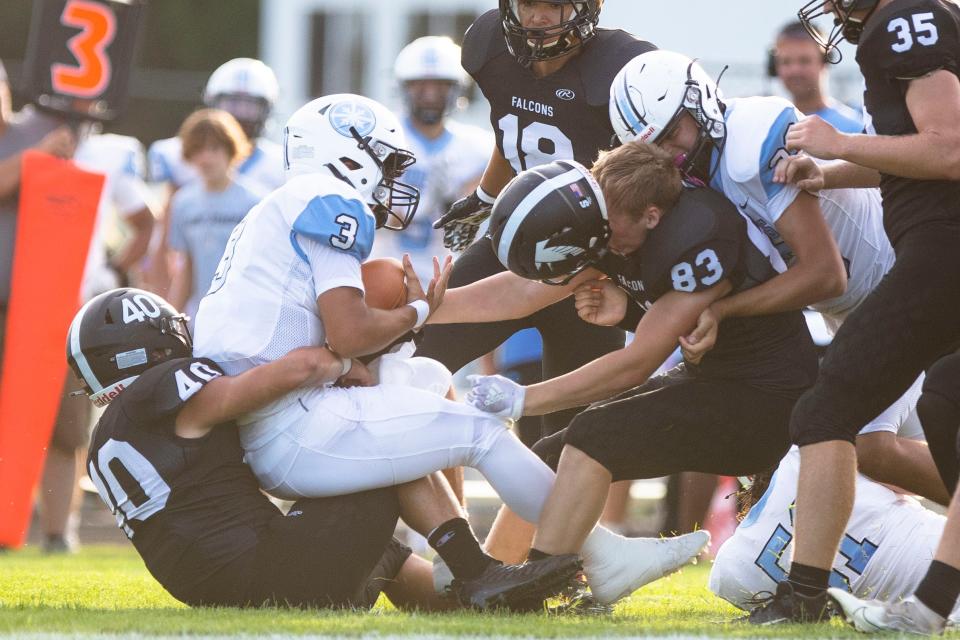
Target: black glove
[461, 222]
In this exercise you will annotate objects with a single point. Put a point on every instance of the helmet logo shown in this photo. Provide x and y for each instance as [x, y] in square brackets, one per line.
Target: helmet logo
[548, 255]
[352, 115]
[566, 94]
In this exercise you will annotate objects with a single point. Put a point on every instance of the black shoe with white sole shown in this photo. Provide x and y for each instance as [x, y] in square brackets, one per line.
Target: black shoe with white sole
[517, 587]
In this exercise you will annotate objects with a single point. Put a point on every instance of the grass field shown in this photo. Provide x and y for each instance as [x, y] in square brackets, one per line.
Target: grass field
[107, 591]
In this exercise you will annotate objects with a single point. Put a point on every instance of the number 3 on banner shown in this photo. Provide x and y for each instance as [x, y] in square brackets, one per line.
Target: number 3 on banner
[91, 75]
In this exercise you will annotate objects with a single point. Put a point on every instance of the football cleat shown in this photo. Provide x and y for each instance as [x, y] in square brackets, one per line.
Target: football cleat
[635, 562]
[872, 616]
[787, 606]
[518, 587]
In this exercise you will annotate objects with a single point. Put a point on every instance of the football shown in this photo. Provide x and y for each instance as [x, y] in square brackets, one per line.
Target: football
[384, 282]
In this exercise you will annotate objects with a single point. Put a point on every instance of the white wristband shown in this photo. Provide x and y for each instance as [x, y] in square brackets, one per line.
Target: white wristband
[423, 311]
[485, 197]
[345, 365]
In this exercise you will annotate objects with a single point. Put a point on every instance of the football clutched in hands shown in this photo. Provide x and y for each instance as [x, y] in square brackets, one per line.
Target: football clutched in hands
[385, 283]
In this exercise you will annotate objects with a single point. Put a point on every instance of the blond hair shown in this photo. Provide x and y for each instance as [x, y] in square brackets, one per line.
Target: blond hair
[637, 175]
[213, 127]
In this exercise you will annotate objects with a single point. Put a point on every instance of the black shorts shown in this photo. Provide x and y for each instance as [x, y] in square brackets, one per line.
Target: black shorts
[326, 552]
[905, 325]
[939, 412]
[680, 422]
[568, 341]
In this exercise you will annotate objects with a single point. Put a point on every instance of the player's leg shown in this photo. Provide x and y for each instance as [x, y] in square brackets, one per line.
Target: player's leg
[876, 355]
[884, 455]
[939, 411]
[325, 552]
[413, 587]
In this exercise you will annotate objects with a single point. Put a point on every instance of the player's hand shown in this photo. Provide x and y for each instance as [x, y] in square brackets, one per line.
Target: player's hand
[438, 284]
[321, 365]
[61, 142]
[702, 339]
[600, 302]
[816, 137]
[358, 376]
[800, 170]
[462, 221]
[496, 395]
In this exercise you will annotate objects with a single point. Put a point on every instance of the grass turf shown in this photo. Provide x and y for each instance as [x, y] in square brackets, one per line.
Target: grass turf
[107, 590]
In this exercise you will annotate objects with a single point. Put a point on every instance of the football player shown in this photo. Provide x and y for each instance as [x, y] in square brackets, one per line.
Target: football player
[290, 277]
[545, 68]
[831, 238]
[450, 156]
[885, 549]
[166, 459]
[908, 52]
[668, 252]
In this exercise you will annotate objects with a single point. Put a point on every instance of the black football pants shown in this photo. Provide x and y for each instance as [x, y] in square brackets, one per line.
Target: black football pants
[905, 325]
[568, 341]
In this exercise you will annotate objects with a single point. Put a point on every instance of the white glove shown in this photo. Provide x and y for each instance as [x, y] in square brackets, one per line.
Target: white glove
[497, 395]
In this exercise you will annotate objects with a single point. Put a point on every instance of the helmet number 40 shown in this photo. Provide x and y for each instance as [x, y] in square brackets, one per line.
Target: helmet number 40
[139, 308]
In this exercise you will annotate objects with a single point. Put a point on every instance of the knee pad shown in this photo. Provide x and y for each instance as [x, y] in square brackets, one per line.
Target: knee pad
[816, 418]
[549, 449]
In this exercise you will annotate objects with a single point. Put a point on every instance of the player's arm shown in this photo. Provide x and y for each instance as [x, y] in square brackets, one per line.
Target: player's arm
[227, 397]
[61, 142]
[804, 172]
[816, 274]
[140, 223]
[670, 317]
[504, 296]
[181, 284]
[933, 153]
[497, 174]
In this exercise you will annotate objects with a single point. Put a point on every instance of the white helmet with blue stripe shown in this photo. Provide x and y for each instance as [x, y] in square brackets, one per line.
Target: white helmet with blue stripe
[359, 141]
[652, 92]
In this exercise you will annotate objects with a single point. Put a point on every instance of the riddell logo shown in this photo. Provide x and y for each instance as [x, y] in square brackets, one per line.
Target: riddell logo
[646, 134]
[106, 397]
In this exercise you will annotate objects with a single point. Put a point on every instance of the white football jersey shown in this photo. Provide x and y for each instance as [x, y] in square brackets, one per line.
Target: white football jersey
[756, 138]
[889, 543]
[262, 169]
[120, 160]
[446, 170]
[307, 237]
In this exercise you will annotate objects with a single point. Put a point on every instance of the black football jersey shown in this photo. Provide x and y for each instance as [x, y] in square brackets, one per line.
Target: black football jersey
[906, 40]
[697, 244]
[560, 117]
[190, 506]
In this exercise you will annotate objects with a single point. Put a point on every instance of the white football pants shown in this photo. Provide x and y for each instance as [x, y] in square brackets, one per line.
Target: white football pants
[334, 441]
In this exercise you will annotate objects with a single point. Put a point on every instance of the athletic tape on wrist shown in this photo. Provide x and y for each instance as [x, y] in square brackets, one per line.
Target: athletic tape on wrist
[345, 365]
[423, 311]
[485, 197]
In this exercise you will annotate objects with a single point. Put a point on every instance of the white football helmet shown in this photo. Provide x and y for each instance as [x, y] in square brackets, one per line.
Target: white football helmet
[247, 89]
[430, 58]
[359, 141]
[652, 92]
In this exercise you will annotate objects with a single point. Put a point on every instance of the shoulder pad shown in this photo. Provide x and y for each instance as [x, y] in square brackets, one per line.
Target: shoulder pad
[329, 212]
[160, 392]
[700, 232]
[603, 58]
[912, 38]
[482, 41]
[756, 130]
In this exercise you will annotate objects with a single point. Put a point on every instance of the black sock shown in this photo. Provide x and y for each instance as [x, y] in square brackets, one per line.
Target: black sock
[939, 588]
[808, 581]
[536, 554]
[458, 547]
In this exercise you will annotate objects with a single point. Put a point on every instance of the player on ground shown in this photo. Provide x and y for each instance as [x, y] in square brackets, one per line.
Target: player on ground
[166, 459]
[886, 548]
[828, 239]
[290, 277]
[669, 252]
[908, 52]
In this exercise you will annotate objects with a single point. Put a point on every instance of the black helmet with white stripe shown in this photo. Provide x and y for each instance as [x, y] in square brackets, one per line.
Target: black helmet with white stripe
[550, 223]
[118, 335]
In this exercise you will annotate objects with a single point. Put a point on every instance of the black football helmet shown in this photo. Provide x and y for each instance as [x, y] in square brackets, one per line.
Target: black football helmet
[118, 335]
[530, 44]
[550, 223]
[845, 27]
